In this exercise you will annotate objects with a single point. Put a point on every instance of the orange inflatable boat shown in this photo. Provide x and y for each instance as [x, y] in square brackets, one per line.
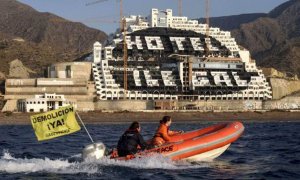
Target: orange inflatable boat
[199, 145]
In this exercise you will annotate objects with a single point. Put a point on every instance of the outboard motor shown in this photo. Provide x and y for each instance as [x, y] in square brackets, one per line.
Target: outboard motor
[94, 151]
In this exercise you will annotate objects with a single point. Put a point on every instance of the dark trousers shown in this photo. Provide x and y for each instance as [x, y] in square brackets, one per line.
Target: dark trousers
[123, 153]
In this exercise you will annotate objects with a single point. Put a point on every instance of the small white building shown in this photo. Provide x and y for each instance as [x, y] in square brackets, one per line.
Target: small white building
[43, 103]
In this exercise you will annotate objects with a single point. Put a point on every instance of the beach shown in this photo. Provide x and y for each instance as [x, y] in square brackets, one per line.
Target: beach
[125, 117]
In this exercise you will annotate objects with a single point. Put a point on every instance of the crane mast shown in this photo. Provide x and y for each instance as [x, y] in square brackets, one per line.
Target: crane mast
[121, 15]
[207, 14]
[95, 2]
[207, 33]
[123, 30]
[180, 7]
[125, 58]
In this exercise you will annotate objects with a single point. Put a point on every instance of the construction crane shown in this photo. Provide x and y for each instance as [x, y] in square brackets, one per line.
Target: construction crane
[95, 2]
[207, 14]
[102, 20]
[180, 7]
[122, 30]
[207, 33]
[121, 14]
[125, 58]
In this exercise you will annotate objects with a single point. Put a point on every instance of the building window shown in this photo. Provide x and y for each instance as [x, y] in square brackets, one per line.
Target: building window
[68, 71]
[60, 103]
[52, 68]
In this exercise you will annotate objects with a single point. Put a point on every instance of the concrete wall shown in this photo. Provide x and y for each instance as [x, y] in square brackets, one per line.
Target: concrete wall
[26, 88]
[123, 105]
[20, 82]
[288, 103]
[40, 90]
[282, 87]
[235, 105]
[77, 70]
[61, 82]
[68, 97]
[45, 82]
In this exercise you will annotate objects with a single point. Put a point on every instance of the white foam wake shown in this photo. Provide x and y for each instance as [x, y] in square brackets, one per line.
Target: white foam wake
[9, 164]
[150, 162]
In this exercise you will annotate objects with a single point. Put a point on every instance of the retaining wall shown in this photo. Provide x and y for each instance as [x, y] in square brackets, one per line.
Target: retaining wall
[234, 105]
[288, 103]
[123, 105]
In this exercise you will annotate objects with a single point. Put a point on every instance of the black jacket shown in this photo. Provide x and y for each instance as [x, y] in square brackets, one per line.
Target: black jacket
[129, 141]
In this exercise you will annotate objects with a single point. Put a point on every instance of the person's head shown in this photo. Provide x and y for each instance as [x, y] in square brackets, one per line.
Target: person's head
[135, 126]
[166, 120]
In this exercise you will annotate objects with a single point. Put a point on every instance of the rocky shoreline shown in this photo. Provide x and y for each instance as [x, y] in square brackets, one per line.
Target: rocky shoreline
[125, 117]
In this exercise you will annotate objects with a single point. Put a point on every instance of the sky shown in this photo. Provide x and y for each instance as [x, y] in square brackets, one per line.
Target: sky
[105, 14]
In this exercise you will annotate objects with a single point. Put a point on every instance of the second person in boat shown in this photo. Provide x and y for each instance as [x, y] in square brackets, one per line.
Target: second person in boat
[162, 134]
[131, 141]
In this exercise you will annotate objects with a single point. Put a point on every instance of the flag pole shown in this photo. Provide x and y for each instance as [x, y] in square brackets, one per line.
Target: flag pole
[85, 128]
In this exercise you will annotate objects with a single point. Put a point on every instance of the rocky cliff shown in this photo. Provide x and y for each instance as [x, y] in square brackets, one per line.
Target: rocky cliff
[283, 87]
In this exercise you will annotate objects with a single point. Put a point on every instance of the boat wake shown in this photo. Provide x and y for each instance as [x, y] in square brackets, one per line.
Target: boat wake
[10, 164]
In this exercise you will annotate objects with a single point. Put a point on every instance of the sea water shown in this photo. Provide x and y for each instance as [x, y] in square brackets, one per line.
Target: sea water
[266, 150]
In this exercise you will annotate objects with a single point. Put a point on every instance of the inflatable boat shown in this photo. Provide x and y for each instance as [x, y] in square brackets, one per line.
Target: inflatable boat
[198, 145]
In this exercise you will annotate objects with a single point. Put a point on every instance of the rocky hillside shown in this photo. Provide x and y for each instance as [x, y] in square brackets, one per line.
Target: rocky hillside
[38, 39]
[273, 39]
[229, 23]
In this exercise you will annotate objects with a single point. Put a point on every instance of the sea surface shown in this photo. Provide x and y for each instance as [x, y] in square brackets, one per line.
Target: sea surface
[266, 150]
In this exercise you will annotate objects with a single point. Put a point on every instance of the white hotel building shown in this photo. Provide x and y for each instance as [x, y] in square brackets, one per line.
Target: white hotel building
[169, 57]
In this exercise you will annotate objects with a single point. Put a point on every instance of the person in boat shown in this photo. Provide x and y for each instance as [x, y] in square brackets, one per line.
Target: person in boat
[131, 141]
[163, 133]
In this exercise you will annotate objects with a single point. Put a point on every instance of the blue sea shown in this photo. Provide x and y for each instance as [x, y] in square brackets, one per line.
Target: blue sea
[266, 150]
